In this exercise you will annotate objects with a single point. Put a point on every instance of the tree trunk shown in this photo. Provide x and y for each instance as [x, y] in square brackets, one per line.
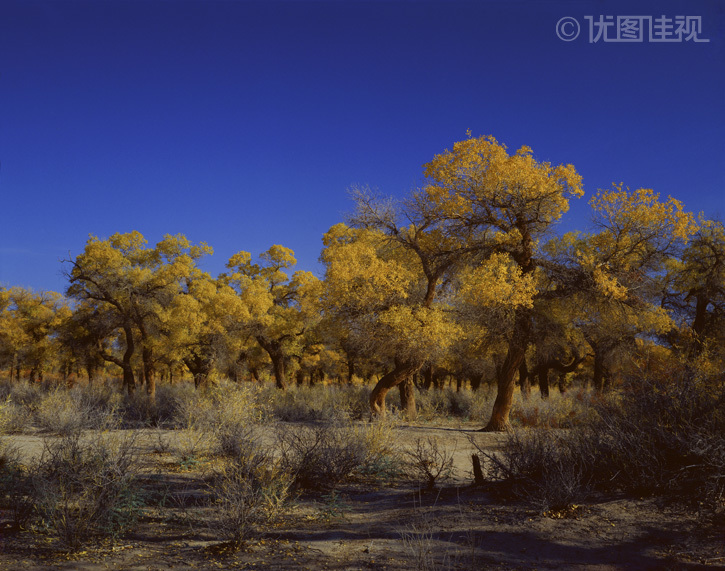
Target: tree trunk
[149, 373]
[392, 379]
[428, 377]
[698, 324]
[200, 367]
[499, 421]
[563, 383]
[543, 374]
[279, 372]
[524, 381]
[350, 370]
[407, 399]
[128, 379]
[276, 355]
[476, 381]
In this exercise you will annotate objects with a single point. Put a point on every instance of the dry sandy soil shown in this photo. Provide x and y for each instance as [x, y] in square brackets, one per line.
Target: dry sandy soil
[396, 526]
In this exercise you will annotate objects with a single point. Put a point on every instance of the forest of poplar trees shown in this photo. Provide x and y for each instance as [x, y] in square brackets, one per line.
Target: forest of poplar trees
[464, 280]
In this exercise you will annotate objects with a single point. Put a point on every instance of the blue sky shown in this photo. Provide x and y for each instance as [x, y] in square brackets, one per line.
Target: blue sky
[243, 124]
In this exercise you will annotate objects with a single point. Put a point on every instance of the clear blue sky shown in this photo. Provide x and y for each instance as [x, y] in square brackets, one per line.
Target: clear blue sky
[243, 124]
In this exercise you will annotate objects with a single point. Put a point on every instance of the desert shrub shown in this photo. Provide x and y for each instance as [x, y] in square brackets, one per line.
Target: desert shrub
[656, 436]
[249, 490]
[84, 488]
[383, 460]
[430, 462]
[319, 403]
[225, 412]
[65, 412]
[22, 393]
[544, 467]
[321, 457]
[14, 487]
[664, 436]
[13, 417]
[221, 404]
[558, 411]
[435, 404]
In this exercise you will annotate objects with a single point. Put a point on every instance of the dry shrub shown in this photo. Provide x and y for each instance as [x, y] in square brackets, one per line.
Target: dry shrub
[383, 461]
[14, 487]
[321, 457]
[319, 403]
[249, 491]
[664, 436]
[656, 436]
[83, 488]
[541, 466]
[560, 410]
[66, 412]
[430, 462]
[14, 418]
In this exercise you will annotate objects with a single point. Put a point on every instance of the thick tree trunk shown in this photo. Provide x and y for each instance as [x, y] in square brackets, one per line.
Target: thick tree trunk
[91, 372]
[407, 399]
[543, 374]
[476, 381]
[279, 372]
[392, 379]
[506, 381]
[562, 383]
[350, 370]
[129, 381]
[276, 355]
[200, 369]
[428, 377]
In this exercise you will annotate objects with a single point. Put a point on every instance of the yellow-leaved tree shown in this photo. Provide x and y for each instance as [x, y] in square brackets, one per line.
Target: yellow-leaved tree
[131, 284]
[383, 291]
[499, 206]
[276, 309]
[28, 322]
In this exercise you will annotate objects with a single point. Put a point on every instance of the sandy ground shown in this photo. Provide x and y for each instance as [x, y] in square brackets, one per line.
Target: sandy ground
[395, 526]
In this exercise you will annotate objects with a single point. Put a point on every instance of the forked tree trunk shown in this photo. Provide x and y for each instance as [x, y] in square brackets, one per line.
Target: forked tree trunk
[279, 372]
[392, 379]
[276, 355]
